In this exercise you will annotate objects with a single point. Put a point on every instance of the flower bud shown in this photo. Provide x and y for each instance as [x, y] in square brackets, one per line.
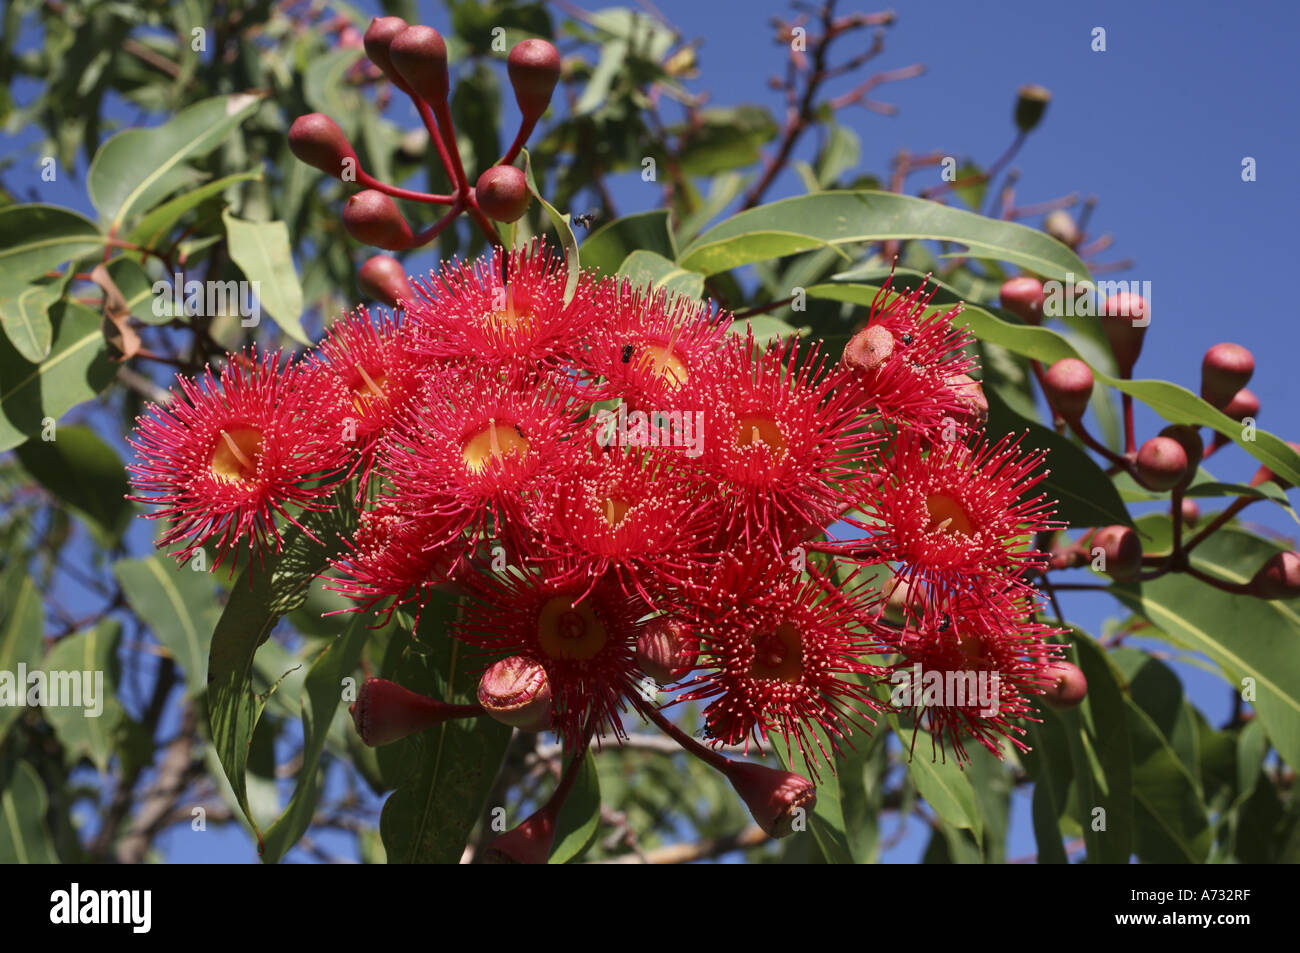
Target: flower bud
[419, 55]
[1191, 513]
[1061, 226]
[1068, 686]
[384, 279]
[502, 193]
[1031, 103]
[1124, 318]
[378, 38]
[665, 651]
[1189, 438]
[1068, 384]
[1226, 369]
[1279, 578]
[1161, 463]
[1023, 297]
[529, 843]
[517, 692]
[317, 140]
[869, 348]
[1122, 551]
[778, 800]
[385, 712]
[534, 68]
[1244, 404]
[970, 396]
[1264, 474]
[372, 217]
[903, 602]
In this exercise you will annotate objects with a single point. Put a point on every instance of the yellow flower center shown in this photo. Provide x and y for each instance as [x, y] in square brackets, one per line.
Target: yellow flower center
[495, 441]
[754, 429]
[566, 631]
[778, 654]
[235, 456]
[947, 515]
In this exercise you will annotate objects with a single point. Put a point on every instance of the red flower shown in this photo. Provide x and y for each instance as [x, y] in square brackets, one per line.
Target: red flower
[586, 645]
[223, 459]
[785, 654]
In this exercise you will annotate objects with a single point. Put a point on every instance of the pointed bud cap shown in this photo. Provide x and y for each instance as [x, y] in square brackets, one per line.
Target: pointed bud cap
[1162, 463]
[534, 68]
[1068, 384]
[384, 279]
[1023, 297]
[1122, 550]
[1226, 369]
[419, 55]
[665, 651]
[780, 801]
[1068, 686]
[317, 140]
[1031, 103]
[385, 712]
[1279, 578]
[378, 38]
[869, 348]
[1124, 318]
[517, 692]
[502, 193]
[372, 217]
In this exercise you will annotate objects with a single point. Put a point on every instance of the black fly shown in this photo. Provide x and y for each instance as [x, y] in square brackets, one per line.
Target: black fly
[907, 339]
[627, 353]
[585, 220]
[944, 623]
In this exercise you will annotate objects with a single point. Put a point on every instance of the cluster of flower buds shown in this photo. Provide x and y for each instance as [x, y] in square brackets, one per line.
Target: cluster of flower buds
[414, 59]
[626, 495]
[1167, 462]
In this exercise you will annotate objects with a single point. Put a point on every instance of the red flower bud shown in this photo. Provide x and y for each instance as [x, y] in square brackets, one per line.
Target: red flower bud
[419, 55]
[1244, 404]
[1162, 463]
[1068, 685]
[1023, 297]
[869, 348]
[517, 692]
[1225, 370]
[1189, 438]
[777, 799]
[970, 394]
[383, 278]
[502, 193]
[385, 712]
[534, 68]
[1264, 474]
[529, 843]
[1279, 578]
[1124, 318]
[378, 38]
[1122, 551]
[1191, 513]
[372, 217]
[1068, 384]
[665, 652]
[317, 140]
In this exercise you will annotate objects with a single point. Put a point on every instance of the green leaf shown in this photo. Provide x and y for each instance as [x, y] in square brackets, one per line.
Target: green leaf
[942, 784]
[1247, 637]
[137, 289]
[260, 596]
[1085, 495]
[82, 731]
[827, 821]
[25, 314]
[607, 247]
[180, 605]
[428, 819]
[1172, 826]
[1049, 763]
[848, 218]
[137, 168]
[726, 138]
[76, 370]
[655, 271]
[24, 838]
[562, 228]
[22, 624]
[765, 328]
[84, 473]
[159, 221]
[322, 692]
[263, 253]
[575, 828]
[37, 238]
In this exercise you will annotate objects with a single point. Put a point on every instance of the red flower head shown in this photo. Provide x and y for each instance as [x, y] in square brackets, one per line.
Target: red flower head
[907, 364]
[468, 311]
[653, 345]
[222, 459]
[586, 645]
[632, 513]
[782, 441]
[468, 453]
[785, 654]
[968, 667]
[955, 513]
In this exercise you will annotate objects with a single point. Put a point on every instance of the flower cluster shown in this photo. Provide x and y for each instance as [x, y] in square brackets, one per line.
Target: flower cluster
[625, 490]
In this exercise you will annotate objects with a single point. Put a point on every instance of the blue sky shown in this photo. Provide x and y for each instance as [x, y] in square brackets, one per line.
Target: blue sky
[1156, 127]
